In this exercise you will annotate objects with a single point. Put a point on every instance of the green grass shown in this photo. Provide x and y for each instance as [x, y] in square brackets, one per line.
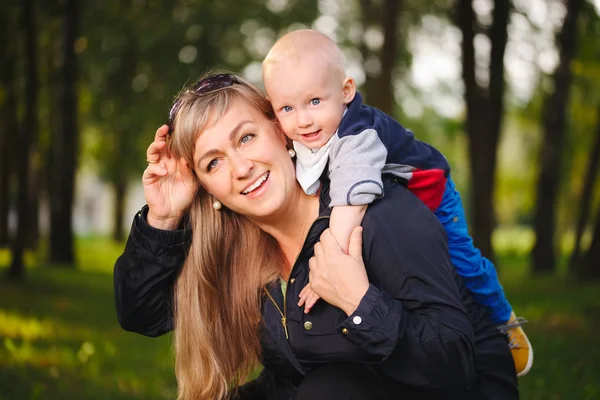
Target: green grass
[59, 338]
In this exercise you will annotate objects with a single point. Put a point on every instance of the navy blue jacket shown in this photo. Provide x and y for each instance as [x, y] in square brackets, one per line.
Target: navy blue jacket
[419, 325]
[368, 143]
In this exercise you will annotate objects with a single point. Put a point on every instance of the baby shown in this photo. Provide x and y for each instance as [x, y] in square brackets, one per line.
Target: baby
[320, 110]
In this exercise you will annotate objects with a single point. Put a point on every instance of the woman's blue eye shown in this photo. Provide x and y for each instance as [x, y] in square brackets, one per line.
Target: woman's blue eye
[315, 102]
[212, 164]
[247, 138]
[287, 108]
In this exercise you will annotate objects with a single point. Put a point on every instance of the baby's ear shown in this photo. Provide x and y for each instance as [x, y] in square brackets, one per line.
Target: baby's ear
[349, 89]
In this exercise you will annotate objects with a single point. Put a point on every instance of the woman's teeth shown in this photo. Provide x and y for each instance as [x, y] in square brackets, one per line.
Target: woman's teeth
[256, 184]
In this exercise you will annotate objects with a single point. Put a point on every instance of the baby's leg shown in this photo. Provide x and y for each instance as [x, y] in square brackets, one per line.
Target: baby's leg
[478, 273]
[343, 221]
[481, 279]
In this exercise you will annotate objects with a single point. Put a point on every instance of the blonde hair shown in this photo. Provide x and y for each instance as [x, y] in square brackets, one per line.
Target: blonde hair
[299, 44]
[218, 292]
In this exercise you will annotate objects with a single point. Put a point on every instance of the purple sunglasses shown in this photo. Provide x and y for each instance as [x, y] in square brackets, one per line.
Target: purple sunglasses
[207, 85]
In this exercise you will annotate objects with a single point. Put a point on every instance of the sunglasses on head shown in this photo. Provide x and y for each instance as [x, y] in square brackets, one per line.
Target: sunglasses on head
[207, 85]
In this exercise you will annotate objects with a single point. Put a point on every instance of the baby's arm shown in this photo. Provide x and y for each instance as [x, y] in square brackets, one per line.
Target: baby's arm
[343, 221]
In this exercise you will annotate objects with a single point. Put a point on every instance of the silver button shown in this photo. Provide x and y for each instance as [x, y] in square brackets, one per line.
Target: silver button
[308, 325]
[357, 320]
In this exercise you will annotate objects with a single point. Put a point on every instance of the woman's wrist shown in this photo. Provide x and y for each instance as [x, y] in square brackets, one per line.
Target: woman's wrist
[166, 224]
[353, 301]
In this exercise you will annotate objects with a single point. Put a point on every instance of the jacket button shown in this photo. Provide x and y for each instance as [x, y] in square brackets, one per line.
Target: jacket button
[345, 331]
[308, 325]
[455, 219]
[292, 280]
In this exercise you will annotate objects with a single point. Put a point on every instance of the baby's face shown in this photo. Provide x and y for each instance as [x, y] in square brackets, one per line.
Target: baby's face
[308, 100]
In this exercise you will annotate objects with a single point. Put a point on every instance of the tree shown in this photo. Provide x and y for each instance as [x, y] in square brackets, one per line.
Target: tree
[8, 118]
[380, 88]
[586, 197]
[485, 108]
[64, 145]
[553, 120]
[589, 268]
[26, 137]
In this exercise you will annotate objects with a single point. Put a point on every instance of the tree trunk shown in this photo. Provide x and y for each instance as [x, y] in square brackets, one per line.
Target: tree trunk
[388, 55]
[8, 122]
[27, 136]
[485, 110]
[34, 192]
[590, 268]
[65, 148]
[554, 114]
[380, 88]
[120, 196]
[586, 197]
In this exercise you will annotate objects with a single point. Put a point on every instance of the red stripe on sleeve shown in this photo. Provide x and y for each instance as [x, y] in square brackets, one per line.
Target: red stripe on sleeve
[429, 186]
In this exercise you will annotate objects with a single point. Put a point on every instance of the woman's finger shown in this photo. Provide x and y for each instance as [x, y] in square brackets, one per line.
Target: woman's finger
[161, 133]
[319, 252]
[154, 151]
[355, 246]
[328, 241]
[153, 171]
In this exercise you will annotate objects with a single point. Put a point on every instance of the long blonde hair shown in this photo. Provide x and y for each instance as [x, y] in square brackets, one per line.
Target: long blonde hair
[218, 292]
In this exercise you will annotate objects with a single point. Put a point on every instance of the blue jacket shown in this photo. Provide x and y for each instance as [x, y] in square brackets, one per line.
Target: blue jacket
[419, 326]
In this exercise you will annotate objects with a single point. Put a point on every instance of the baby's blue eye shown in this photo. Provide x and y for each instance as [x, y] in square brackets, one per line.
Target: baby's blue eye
[315, 102]
[287, 108]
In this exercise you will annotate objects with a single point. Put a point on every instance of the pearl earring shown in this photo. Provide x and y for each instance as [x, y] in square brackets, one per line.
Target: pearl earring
[292, 153]
[217, 205]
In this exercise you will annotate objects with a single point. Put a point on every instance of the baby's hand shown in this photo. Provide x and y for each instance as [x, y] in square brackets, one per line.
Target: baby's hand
[308, 297]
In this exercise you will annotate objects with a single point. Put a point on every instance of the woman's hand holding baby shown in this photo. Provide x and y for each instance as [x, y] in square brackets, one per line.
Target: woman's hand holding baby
[338, 278]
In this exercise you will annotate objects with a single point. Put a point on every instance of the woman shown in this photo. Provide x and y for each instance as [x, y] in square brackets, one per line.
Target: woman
[397, 324]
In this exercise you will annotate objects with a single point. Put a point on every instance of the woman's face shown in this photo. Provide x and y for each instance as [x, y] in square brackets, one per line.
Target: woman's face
[242, 160]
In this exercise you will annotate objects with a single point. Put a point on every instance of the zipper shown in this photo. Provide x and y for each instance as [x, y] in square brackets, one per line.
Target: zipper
[283, 320]
[284, 313]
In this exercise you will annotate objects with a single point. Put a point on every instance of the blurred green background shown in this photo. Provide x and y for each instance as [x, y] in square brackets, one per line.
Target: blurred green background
[508, 90]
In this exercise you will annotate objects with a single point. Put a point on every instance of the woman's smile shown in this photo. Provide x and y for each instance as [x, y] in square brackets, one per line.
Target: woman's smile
[255, 189]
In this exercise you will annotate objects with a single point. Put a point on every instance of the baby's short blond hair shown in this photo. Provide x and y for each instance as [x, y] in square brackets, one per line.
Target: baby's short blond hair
[297, 45]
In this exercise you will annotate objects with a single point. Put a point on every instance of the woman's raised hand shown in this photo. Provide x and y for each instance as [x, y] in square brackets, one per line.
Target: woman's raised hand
[169, 184]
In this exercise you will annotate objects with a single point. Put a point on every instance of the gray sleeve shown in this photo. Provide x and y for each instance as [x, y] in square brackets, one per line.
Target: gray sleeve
[355, 164]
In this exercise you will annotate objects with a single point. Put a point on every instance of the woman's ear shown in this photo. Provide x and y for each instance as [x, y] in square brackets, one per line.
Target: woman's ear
[349, 89]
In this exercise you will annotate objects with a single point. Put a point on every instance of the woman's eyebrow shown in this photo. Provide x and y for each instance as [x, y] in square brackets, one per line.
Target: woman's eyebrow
[239, 126]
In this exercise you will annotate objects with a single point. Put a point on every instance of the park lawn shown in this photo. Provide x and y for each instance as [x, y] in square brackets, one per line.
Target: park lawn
[59, 338]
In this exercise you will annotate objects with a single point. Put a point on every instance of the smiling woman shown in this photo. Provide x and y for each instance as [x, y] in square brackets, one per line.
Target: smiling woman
[397, 324]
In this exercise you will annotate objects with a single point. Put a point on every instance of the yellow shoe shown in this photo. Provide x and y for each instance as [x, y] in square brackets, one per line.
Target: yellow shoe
[518, 343]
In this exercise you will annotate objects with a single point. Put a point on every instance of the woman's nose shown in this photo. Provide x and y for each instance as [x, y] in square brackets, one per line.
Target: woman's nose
[240, 165]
